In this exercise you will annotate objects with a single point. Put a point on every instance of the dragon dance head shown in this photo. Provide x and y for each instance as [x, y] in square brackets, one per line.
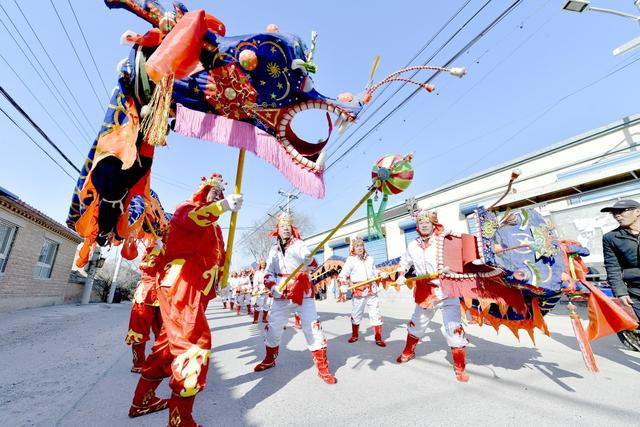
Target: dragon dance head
[243, 91]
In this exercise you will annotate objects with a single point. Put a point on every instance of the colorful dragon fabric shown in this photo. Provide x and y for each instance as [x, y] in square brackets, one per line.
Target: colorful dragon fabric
[526, 248]
[241, 91]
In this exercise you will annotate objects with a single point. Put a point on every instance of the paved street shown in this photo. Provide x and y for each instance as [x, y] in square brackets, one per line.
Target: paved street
[68, 366]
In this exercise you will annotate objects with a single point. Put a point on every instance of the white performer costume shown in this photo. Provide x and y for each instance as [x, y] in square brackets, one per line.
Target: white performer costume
[287, 253]
[233, 290]
[261, 293]
[244, 293]
[359, 267]
[421, 254]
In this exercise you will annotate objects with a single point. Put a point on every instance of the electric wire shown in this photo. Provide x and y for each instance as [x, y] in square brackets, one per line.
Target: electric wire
[59, 98]
[84, 70]
[101, 78]
[46, 110]
[55, 67]
[36, 127]
[37, 145]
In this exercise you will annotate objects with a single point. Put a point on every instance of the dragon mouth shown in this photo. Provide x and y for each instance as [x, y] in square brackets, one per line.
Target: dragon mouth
[307, 154]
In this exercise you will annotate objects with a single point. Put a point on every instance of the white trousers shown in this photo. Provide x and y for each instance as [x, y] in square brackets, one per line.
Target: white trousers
[372, 303]
[262, 303]
[224, 294]
[311, 327]
[243, 299]
[451, 329]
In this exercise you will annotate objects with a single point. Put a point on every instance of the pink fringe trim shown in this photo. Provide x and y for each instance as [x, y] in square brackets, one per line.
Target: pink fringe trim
[238, 134]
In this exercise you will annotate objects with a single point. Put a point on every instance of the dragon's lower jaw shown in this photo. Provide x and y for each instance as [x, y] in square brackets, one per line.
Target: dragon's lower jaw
[310, 155]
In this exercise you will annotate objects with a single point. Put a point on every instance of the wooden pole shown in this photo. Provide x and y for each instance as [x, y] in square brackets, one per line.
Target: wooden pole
[232, 224]
[329, 236]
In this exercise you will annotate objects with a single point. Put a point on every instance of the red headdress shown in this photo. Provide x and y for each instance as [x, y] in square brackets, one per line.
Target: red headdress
[285, 217]
[431, 216]
[215, 182]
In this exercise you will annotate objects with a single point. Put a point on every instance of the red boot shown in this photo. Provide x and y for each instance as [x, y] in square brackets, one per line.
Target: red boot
[269, 360]
[138, 357]
[145, 400]
[409, 351]
[296, 318]
[264, 317]
[378, 336]
[256, 315]
[238, 310]
[320, 358]
[458, 354]
[354, 333]
[180, 411]
[231, 303]
[224, 304]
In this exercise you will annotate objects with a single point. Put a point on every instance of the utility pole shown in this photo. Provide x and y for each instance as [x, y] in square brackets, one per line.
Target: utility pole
[114, 281]
[91, 275]
[289, 196]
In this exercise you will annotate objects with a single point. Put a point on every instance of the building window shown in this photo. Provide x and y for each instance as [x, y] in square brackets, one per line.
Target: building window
[410, 234]
[341, 251]
[319, 256]
[472, 224]
[44, 266]
[377, 248]
[8, 233]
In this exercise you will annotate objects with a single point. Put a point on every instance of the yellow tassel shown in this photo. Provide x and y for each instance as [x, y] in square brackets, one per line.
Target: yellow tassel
[155, 124]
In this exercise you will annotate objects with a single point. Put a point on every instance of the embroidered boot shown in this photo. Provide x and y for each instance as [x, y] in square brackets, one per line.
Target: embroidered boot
[145, 400]
[409, 351]
[269, 360]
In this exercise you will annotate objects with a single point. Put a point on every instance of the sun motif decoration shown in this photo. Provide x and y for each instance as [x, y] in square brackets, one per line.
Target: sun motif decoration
[273, 69]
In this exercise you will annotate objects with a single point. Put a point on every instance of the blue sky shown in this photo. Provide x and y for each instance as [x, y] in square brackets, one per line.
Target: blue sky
[538, 77]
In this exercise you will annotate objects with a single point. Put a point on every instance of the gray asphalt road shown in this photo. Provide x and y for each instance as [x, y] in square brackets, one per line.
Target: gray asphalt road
[68, 365]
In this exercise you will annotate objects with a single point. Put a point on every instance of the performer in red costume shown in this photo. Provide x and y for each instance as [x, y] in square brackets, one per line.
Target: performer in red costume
[191, 266]
[288, 252]
[145, 310]
[421, 254]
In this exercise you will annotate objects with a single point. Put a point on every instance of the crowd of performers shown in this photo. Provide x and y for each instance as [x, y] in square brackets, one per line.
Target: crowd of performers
[181, 274]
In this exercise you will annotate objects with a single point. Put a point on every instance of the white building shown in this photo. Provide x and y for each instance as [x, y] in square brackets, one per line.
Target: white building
[568, 182]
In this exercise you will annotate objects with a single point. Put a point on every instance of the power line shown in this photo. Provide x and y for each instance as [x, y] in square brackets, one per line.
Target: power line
[101, 78]
[59, 98]
[472, 42]
[40, 131]
[419, 89]
[84, 70]
[55, 67]
[38, 145]
[427, 44]
[46, 110]
[546, 110]
[440, 49]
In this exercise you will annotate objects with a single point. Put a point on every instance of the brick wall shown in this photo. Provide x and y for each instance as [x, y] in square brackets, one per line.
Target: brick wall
[18, 288]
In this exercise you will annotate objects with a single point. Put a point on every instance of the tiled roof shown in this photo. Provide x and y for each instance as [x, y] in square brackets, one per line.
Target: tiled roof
[13, 203]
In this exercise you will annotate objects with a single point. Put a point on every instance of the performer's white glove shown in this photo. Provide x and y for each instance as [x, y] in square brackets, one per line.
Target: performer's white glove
[275, 292]
[307, 260]
[384, 275]
[344, 289]
[401, 280]
[232, 202]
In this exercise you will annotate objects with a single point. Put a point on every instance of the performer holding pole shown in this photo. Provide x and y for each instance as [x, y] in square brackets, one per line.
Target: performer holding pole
[188, 274]
[421, 255]
[359, 267]
[288, 252]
